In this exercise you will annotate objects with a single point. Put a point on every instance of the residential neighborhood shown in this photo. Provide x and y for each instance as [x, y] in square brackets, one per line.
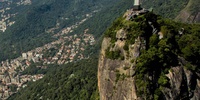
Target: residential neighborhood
[67, 48]
[5, 17]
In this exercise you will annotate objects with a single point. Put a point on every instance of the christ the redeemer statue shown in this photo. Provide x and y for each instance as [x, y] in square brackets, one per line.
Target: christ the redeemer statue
[136, 5]
[137, 2]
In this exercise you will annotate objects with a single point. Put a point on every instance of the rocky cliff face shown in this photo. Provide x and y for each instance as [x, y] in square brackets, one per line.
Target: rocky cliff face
[184, 85]
[117, 76]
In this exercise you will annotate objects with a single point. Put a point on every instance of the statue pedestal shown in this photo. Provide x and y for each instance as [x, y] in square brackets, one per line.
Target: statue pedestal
[136, 7]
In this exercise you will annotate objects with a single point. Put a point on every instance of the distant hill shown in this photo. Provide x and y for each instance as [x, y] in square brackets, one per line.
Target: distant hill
[182, 10]
[191, 13]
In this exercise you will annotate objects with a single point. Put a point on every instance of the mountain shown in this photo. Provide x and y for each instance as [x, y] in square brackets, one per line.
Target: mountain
[182, 10]
[141, 57]
[146, 57]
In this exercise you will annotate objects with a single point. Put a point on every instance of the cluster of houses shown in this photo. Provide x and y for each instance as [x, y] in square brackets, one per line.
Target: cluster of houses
[5, 17]
[24, 2]
[67, 48]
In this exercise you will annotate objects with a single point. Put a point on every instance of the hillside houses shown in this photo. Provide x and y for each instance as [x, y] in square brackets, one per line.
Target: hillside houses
[67, 48]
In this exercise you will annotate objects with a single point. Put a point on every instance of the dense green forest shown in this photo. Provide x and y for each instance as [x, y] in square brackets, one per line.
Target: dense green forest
[178, 47]
[78, 80]
[166, 8]
[74, 81]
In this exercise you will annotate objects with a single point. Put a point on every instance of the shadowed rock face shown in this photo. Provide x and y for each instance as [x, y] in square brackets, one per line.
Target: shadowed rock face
[184, 84]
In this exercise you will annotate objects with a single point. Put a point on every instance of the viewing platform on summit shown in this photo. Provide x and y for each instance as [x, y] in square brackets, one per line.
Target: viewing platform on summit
[135, 11]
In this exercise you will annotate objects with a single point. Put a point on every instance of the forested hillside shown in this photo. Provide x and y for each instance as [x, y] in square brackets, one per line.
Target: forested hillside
[74, 81]
[166, 8]
[33, 21]
[182, 10]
